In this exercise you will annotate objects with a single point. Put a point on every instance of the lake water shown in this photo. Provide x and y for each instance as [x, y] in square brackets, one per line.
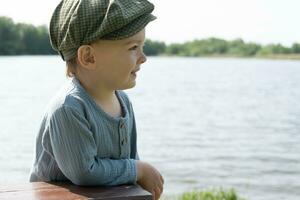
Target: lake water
[202, 122]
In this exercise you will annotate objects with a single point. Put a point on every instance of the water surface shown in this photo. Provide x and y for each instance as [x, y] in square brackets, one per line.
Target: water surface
[202, 122]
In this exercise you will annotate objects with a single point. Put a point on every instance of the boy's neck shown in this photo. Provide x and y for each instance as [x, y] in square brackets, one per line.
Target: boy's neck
[99, 93]
[105, 98]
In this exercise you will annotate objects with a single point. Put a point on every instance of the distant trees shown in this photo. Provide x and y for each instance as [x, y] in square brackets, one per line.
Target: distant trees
[154, 48]
[240, 48]
[20, 38]
[9, 39]
[275, 49]
[219, 47]
[17, 39]
[296, 48]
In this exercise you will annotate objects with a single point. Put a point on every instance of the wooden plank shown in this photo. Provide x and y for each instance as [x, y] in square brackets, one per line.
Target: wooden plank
[68, 191]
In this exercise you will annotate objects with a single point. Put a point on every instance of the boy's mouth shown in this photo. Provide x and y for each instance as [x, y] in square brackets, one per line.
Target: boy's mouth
[134, 71]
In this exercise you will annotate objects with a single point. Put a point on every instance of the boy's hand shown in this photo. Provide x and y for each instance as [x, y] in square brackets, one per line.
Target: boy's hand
[150, 179]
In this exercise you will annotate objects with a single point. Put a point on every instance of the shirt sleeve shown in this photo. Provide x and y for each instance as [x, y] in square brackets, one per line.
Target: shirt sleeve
[75, 151]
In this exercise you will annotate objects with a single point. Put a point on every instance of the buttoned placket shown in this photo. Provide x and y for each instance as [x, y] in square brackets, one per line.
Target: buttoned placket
[123, 138]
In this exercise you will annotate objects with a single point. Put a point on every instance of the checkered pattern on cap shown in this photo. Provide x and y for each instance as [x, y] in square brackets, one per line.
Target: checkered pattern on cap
[78, 22]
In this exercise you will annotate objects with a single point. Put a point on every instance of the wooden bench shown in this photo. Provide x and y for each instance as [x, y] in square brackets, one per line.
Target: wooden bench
[68, 191]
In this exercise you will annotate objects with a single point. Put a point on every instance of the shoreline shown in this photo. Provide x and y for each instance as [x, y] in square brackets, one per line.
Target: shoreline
[271, 57]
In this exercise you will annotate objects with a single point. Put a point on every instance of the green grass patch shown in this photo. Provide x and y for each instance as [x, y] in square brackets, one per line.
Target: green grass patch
[212, 194]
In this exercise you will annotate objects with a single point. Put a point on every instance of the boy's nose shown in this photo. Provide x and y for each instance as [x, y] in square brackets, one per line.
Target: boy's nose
[143, 58]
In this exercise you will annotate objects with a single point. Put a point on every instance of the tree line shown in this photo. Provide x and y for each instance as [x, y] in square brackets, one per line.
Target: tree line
[21, 38]
[26, 39]
[218, 47]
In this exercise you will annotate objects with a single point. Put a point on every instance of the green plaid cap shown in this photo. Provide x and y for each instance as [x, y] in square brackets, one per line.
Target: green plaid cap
[78, 22]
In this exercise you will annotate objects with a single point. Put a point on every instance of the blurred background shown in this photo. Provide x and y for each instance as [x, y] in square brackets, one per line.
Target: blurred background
[216, 104]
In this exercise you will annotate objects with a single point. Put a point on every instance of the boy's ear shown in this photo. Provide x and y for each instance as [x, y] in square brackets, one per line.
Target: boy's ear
[86, 56]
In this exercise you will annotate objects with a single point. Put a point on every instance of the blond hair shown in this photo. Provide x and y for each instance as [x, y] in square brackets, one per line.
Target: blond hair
[71, 67]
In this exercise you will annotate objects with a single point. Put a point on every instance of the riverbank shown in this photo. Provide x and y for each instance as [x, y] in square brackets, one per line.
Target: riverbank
[282, 56]
[271, 56]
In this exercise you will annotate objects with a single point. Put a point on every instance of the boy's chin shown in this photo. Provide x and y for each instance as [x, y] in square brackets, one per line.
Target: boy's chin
[132, 85]
[128, 86]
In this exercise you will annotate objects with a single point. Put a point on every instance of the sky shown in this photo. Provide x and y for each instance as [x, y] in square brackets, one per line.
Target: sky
[260, 21]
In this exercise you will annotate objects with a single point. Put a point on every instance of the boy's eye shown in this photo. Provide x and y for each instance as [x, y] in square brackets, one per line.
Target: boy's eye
[134, 47]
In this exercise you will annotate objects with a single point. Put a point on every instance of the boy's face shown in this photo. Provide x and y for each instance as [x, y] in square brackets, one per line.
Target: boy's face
[118, 61]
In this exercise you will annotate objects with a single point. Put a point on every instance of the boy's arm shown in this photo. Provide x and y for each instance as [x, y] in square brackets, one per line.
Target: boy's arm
[75, 151]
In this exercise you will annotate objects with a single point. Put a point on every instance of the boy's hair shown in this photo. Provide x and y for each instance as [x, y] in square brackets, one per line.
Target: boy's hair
[78, 22]
[71, 67]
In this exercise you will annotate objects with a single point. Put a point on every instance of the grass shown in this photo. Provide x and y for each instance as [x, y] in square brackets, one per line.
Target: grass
[213, 194]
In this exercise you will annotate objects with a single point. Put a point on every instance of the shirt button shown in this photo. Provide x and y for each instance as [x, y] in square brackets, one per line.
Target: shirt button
[122, 125]
[124, 141]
